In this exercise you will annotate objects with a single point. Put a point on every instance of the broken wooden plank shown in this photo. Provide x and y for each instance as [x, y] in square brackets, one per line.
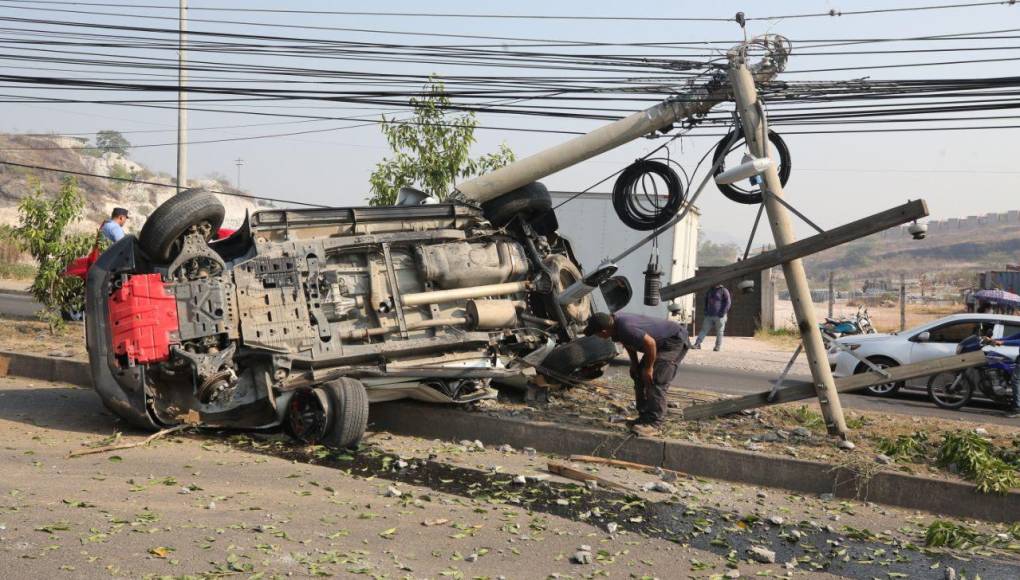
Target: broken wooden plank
[843, 385]
[884, 220]
[612, 462]
[578, 475]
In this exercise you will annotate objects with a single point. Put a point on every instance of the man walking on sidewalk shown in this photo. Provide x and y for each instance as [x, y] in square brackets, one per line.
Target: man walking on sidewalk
[663, 344]
[717, 306]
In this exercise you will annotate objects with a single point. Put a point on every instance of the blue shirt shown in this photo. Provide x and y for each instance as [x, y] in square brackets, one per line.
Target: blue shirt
[630, 329]
[112, 231]
[717, 302]
[1011, 340]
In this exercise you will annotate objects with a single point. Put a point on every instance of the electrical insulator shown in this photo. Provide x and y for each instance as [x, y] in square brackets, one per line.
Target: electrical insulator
[653, 281]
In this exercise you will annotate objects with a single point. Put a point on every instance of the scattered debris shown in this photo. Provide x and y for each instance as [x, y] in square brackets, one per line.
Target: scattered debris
[578, 475]
[659, 486]
[883, 459]
[120, 446]
[392, 491]
[776, 520]
[581, 557]
[763, 555]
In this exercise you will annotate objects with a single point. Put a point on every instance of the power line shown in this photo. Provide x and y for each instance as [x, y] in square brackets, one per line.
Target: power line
[572, 17]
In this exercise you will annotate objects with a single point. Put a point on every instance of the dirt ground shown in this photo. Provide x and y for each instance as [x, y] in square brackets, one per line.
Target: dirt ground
[213, 505]
[884, 318]
[33, 336]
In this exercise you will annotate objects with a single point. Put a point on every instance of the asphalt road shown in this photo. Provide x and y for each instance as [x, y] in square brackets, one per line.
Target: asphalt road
[20, 305]
[731, 382]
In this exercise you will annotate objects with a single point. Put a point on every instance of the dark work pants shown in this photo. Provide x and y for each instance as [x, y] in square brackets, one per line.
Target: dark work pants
[651, 399]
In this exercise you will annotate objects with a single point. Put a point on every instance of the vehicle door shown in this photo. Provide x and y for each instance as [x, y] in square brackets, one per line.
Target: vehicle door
[941, 340]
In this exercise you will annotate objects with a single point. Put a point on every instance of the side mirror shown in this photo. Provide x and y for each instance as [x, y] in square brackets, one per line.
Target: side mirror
[616, 292]
[923, 337]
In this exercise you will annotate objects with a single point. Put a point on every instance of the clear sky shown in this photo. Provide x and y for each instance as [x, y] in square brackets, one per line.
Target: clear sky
[836, 178]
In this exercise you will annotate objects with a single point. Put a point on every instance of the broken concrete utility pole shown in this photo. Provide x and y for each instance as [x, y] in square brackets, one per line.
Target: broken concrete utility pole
[698, 101]
[753, 121]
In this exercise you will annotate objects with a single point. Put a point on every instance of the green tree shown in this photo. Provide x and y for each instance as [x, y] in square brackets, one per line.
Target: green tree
[713, 254]
[431, 151]
[42, 231]
[112, 142]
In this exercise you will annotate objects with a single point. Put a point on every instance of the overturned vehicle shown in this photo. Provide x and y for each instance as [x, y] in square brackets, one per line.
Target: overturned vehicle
[303, 317]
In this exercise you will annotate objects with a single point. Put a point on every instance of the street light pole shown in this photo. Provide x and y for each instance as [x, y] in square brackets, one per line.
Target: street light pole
[752, 119]
[182, 98]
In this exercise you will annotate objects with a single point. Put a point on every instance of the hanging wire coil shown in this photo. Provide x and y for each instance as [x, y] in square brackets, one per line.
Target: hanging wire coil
[636, 197]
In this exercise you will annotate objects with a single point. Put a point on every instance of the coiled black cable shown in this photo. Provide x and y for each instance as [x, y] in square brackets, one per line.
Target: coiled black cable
[636, 196]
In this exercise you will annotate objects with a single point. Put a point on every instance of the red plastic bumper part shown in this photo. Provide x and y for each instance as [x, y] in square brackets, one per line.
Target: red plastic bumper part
[143, 318]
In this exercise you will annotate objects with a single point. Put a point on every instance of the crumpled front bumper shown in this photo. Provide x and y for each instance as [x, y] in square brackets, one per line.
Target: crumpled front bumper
[122, 390]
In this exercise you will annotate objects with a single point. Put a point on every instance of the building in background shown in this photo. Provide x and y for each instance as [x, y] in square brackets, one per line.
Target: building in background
[595, 232]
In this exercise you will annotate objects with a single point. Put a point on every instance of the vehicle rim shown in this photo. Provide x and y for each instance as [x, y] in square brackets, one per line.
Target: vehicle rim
[884, 388]
[948, 388]
[307, 416]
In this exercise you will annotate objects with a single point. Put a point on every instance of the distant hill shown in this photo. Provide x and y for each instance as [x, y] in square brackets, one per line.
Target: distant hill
[101, 195]
[954, 248]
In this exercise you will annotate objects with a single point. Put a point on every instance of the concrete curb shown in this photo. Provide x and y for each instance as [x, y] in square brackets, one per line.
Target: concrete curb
[45, 368]
[436, 422]
[14, 292]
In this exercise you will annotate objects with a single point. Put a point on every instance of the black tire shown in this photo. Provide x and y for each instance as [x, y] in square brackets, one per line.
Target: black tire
[738, 194]
[939, 390]
[884, 389]
[348, 413]
[161, 232]
[576, 355]
[529, 202]
[73, 315]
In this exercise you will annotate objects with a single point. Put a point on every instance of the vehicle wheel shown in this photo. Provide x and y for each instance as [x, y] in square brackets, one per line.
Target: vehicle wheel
[529, 202]
[564, 273]
[308, 415]
[73, 315]
[885, 389]
[161, 234]
[348, 401]
[579, 358]
[950, 390]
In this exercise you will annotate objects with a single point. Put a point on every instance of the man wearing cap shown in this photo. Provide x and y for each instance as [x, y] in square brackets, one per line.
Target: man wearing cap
[663, 344]
[113, 228]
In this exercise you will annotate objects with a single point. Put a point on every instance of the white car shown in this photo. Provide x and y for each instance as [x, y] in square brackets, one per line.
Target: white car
[925, 342]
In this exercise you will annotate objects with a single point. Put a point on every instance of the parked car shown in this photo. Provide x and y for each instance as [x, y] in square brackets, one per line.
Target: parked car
[925, 342]
[304, 316]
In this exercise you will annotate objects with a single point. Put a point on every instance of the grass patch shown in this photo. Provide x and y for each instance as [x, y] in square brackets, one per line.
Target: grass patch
[805, 417]
[783, 337]
[17, 271]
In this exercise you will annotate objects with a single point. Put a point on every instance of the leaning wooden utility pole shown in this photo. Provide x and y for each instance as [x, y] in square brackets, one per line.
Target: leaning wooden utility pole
[753, 121]
[182, 97]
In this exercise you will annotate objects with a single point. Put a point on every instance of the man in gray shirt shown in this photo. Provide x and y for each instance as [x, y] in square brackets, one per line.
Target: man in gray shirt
[663, 344]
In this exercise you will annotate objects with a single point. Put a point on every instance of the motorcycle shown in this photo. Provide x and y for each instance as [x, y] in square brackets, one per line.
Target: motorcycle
[953, 390]
[860, 323]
